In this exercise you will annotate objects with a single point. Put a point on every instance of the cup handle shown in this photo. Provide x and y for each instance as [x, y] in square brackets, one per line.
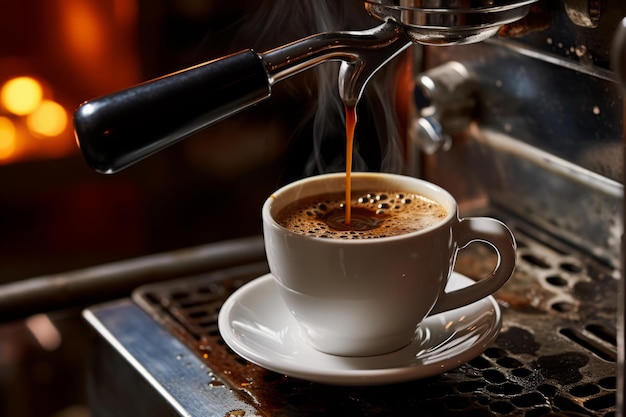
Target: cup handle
[498, 236]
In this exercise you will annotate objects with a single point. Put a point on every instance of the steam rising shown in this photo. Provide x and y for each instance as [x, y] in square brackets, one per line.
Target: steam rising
[377, 140]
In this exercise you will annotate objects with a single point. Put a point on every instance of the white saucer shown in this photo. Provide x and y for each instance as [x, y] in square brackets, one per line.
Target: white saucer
[257, 325]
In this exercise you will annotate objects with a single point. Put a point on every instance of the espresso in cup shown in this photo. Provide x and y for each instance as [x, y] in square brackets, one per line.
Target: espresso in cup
[375, 214]
[365, 294]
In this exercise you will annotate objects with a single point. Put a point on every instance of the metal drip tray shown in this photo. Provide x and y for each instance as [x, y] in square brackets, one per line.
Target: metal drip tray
[556, 352]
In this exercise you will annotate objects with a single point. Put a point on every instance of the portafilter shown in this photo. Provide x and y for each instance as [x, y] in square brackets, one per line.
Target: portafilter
[119, 129]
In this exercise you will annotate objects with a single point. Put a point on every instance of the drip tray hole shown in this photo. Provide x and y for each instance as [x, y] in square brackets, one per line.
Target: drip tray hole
[535, 260]
[557, 281]
[563, 307]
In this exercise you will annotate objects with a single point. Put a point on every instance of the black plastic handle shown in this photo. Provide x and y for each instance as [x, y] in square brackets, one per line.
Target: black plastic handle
[122, 128]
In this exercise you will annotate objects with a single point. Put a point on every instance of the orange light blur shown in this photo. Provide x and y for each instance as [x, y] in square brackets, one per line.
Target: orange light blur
[125, 13]
[49, 119]
[21, 95]
[97, 40]
[78, 49]
[8, 140]
[86, 31]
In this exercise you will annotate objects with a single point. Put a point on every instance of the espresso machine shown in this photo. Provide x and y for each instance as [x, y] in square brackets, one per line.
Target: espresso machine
[514, 106]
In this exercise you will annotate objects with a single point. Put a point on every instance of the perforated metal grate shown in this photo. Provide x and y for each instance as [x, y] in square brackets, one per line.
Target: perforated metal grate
[556, 354]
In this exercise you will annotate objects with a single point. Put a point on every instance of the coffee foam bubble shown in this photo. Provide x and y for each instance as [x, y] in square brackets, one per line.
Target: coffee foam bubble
[393, 212]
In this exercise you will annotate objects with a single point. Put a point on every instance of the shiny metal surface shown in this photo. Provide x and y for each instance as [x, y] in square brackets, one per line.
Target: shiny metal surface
[117, 279]
[446, 101]
[618, 60]
[181, 384]
[618, 53]
[544, 135]
[547, 140]
[567, 111]
[362, 53]
[556, 352]
[566, 41]
[441, 22]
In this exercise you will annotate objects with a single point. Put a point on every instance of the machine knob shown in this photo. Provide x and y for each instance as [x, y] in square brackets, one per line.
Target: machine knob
[429, 135]
[446, 101]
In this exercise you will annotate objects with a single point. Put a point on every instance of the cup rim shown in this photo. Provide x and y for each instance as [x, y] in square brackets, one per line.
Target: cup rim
[449, 203]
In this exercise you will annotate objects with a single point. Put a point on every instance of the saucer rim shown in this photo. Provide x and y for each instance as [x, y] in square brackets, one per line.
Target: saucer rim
[359, 376]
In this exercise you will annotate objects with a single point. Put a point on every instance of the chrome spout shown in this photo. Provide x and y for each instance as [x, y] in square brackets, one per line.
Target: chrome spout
[362, 53]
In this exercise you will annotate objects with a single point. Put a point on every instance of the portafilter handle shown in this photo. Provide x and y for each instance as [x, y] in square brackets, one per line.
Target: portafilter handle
[119, 129]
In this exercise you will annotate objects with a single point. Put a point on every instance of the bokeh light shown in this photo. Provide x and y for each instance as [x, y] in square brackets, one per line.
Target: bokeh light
[49, 119]
[8, 140]
[21, 95]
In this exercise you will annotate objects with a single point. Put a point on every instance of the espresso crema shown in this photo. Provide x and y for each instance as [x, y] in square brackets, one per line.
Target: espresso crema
[373, 215]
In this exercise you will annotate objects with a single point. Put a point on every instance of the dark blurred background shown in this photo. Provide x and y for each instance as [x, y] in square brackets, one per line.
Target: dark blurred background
[57, 215]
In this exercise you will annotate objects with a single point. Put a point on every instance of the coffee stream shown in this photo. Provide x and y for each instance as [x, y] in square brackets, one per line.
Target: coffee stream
[350, 125]
[350, 218]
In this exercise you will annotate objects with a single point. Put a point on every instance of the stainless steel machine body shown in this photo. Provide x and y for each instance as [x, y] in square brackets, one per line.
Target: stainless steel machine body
[527, 129]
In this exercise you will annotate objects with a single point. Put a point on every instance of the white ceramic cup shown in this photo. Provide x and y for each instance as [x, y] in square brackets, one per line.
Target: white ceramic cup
[366, 297]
